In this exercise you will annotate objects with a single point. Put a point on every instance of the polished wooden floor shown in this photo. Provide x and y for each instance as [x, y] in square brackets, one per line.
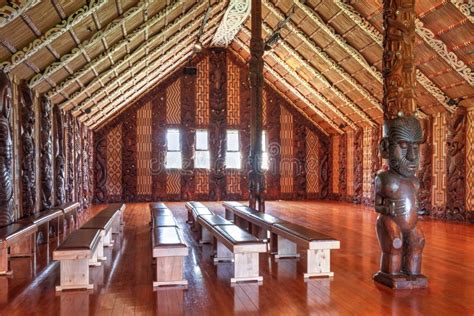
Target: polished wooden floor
[123, 286]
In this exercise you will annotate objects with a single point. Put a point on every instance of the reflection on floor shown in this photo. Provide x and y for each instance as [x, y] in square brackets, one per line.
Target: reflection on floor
[122, 286]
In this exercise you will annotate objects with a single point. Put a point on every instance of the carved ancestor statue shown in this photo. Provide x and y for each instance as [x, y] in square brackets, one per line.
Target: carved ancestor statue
[396, 202]
[6, 153]
[46, 155]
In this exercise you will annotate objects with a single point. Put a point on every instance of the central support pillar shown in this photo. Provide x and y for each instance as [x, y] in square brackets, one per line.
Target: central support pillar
[256, 177]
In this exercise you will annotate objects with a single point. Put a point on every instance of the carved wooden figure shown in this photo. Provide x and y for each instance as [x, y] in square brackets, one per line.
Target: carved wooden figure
[6, 152]
[28, 175]
[46, 155]
[59, 160]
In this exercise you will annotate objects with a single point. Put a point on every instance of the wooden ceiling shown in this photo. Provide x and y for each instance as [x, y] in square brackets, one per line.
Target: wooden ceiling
[96, 57]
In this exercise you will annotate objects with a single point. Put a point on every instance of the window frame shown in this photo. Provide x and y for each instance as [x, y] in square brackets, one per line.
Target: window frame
[208, 167]
[168, 150]
[239, 151]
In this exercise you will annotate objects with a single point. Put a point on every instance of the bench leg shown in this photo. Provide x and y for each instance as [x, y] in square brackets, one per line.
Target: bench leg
[246, 267]
[318, 263]
[286, 249]
[206, 237]
[169, 271]
[74, 275]
[223, 254]
[108, 242]
[4, 263]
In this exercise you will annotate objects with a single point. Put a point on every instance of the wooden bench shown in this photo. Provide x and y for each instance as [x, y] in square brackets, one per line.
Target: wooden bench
[211, 220]
[234, 244]
[43, 219]
[286, 236]
[156, 212]
[70, 211]
[114, 211]
[194, 210]
[169, 250]
[74, 254]
[17, 240]
[104, 225]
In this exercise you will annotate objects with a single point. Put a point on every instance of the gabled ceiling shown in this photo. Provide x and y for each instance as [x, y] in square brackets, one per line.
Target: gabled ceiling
[95, 58]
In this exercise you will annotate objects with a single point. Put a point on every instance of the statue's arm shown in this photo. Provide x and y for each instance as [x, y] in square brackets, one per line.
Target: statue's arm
[381, 202]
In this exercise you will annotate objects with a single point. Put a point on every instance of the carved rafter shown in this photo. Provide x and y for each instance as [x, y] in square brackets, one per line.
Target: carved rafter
[12, 10]
[370, 30]
[467, 9]
[110, 52]
[296, 31]
[52, 34]
[161, 49]
[294, 91]
[442, 50]
[162, 70]
[178, 54]
[322, 78]
[236, 14]
[113, 71]
[112, 27]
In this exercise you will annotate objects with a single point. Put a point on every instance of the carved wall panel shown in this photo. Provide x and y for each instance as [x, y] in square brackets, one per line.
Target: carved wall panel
[367, 165]
[470, 164]
[335, 140]
[233, 94]
[244, 98]
[46, 155]
[342, 166]
[287, 153]
[202, 183]
[173, 103]
[114, 164]
[202, 93]
[358, 166]
[188, 123]
[27, 150]
[232, 179]
[438, 192]
[100, 167]
[218, 114]
[6, 152]
[78, 162]
[129, 158]
[312, 164]
[159, 145]
[424, 172]
[85, 166]
[274, 144]
[300, 156]
[90, 150]
[70, 158]
[324, 167]
[173, 184]
[59, 159]
[350, 164]
[456, 166]
[144, 144]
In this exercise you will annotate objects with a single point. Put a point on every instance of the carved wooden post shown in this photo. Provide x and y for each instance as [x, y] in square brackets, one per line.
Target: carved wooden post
[27, 150]
[6, 152]
[256, 181]
[59, 159]
[396, 189]
[46, 155]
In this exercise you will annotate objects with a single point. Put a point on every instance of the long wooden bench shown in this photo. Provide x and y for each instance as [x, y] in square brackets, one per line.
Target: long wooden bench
[287, 236]
[114, 211]
[104, 225]
[17, 240]
[169, 248]
[232, 243]
[74, 254]
[196, 209]
[70, 211]
[43, 220]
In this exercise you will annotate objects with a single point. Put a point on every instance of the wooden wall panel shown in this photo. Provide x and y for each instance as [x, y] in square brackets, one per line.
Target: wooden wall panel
[299, 171]
[114, 164]
[335, 164]
[173, 103]
[46, 155]
[342, 167]
[188, 135]
[233, 94]
[350, 164]
[470, 164]
[159, 144]
[144, 133]
[367, 165]
[358, 166]
[129, 157]
[312, 163]
[202, 93]
[287, 153]
[439, 163]
[425, 171]
[273, 127]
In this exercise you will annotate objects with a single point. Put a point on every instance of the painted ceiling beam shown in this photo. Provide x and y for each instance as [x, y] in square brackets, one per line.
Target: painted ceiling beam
[11, 10]
[234, 18]
[139, 31]
[466, 9]
[293, 90]
[112, 71]
[101, 35]
[162, 49]
[52, 34]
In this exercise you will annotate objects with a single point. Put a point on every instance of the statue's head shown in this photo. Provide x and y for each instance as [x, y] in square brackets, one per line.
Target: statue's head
[402, 137]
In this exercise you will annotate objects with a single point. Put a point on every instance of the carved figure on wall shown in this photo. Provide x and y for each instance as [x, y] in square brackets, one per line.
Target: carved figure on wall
[59, 159]
[358, 172]
[46, 155]
[6, 152]
[70, 158]
[100, 167]
[396, 202]
[28, 175]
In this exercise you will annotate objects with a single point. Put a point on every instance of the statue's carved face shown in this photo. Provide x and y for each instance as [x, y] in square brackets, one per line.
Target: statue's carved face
[401, 145]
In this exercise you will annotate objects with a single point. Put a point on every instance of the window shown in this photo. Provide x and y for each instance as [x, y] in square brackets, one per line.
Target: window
[202, 159]
[232, 156]
[173, 154]
[265, 163]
